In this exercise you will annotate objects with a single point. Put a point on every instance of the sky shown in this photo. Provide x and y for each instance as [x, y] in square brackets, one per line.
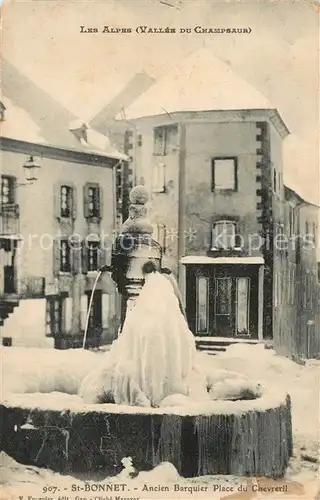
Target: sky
[84, 72]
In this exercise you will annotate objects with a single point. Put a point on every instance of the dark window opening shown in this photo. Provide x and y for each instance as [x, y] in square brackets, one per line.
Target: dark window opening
[54, 316]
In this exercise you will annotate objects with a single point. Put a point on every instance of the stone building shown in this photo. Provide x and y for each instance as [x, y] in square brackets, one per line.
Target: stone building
[55, 230]
[298, 302]
[209, 148]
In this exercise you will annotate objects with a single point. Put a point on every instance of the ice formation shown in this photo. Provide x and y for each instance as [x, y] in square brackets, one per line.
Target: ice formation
[155, 355]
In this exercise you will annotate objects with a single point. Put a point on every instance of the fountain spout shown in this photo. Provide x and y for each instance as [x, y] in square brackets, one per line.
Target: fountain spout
[132, 248]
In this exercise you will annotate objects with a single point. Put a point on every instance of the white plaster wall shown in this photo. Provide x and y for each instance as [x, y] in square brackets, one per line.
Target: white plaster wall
[27, 325]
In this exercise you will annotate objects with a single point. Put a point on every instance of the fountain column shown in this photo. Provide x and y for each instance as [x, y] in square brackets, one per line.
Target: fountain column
[132, 248]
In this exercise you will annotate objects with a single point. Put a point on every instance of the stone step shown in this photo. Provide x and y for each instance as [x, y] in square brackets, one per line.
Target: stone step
[8, 303]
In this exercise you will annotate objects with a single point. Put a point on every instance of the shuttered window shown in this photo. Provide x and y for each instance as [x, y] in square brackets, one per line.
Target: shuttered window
[165, 140]
[92, 199]
[54, 316]
[65, 200]
[8, 184]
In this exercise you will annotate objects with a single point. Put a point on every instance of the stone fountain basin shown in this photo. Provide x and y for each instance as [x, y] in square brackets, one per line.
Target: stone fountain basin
[60, 432]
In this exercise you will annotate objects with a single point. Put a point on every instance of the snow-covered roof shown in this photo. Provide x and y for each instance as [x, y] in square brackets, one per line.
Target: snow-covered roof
[19, 124]
[33, 116]
[201, 82]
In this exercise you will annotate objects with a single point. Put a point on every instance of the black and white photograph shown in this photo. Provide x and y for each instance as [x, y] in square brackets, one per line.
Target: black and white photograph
[160, 250]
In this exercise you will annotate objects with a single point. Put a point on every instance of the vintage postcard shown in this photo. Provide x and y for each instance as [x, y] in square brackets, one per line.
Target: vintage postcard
[159, 250]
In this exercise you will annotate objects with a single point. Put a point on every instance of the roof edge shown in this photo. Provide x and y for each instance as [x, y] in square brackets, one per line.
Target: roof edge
[273, 115]
[57, 152]
[291, 192]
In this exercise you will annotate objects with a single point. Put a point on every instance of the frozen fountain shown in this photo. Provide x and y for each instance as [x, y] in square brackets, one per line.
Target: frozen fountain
[243, 431]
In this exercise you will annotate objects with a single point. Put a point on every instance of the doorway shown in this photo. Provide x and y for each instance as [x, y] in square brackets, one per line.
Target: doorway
[223, 300]
[8, 257]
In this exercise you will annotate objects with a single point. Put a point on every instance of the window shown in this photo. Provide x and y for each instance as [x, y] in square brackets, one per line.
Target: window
[165, 140]
[224, 235]
[92, 201]
[275, 184]
[65, 256]
[119, 184]
[202, 304]
[224, 174]
[314, 233]
[158, 178]
[291, 221]
[7, 190]
[307, 228]
[159, 235]
[93, 255]
[66, 201]
[242, 305]
[54, 316]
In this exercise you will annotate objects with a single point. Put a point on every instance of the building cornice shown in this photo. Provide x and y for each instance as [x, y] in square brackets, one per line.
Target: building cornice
[57, 153]
[219, 116]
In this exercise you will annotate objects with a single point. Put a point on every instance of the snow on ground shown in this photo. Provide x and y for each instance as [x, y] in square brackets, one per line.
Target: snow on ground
[17, 480]
[42, 370]
[302, 382]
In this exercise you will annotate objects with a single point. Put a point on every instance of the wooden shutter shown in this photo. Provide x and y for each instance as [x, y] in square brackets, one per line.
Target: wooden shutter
[74, 201]
[100, 201]
[57, 200]
[14, 190]
[56, 257]
[84, 257]
[86, 201]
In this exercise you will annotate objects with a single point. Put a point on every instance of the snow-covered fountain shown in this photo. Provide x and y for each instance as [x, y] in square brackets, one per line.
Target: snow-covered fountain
[153, 397]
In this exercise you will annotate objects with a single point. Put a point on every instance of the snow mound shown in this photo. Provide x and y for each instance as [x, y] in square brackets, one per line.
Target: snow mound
[30, 370]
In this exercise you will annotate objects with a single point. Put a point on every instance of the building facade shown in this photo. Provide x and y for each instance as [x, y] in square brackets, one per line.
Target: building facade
[56, 230]
[299, 326]
[212, 200]
[209, 148]
[239, 242]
